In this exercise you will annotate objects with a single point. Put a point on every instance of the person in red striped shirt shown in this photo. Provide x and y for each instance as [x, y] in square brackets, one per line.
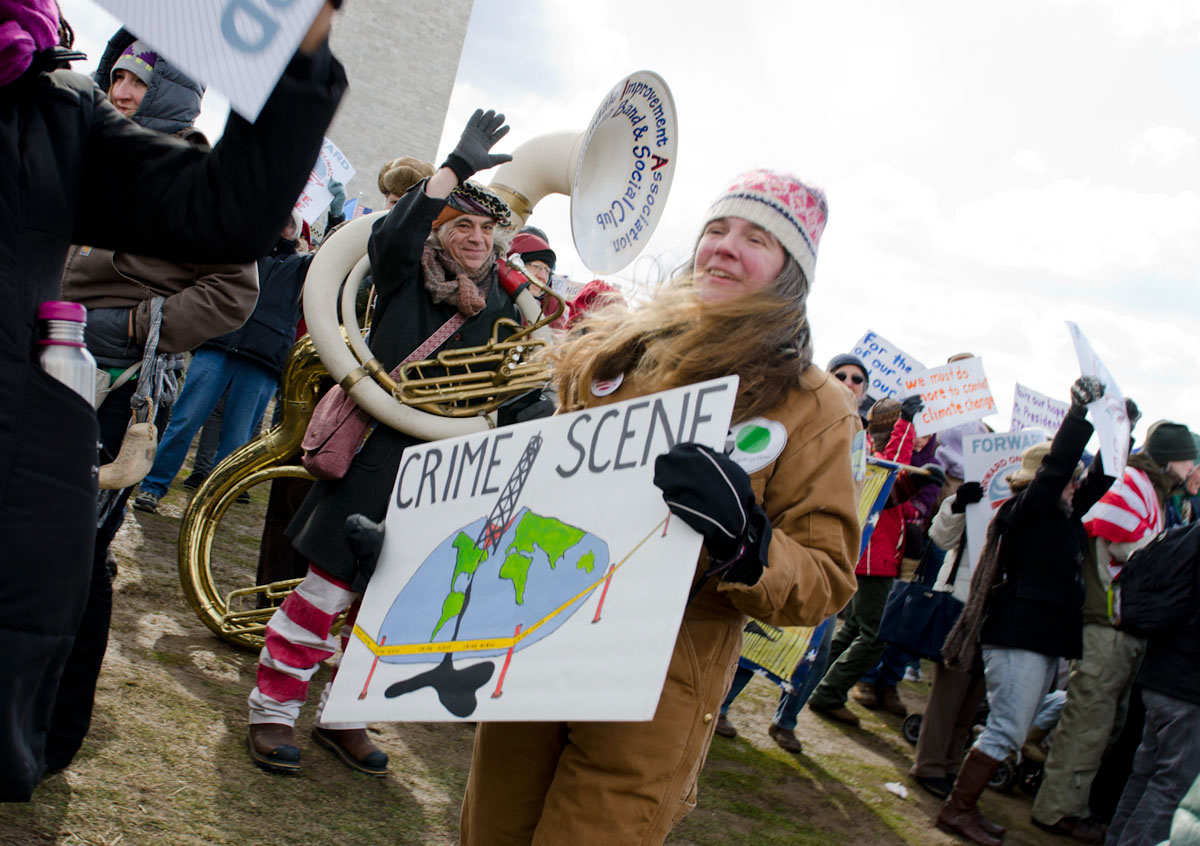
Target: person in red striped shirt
[1125, 519]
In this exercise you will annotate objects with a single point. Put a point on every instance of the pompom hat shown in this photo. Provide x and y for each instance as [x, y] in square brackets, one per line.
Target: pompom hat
[780, 203]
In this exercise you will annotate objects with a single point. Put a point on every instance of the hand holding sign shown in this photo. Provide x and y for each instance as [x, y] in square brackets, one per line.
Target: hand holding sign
[239, 47]
[1108, 411]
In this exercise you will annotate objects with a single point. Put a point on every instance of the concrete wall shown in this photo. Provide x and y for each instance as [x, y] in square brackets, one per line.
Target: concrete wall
[401, 57]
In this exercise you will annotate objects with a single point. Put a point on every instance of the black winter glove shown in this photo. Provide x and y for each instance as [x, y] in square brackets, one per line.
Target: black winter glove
[968, 494]
[1132, 412]
[365, 539]
[911, 407]
[933, 475]
[473, 154]
[1085, 391]
[712, 494]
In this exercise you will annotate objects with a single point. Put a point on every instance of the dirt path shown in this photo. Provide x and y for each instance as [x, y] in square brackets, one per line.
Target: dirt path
[165, 762]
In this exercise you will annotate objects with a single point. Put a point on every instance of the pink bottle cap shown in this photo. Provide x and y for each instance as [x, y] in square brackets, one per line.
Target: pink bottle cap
[60, 310]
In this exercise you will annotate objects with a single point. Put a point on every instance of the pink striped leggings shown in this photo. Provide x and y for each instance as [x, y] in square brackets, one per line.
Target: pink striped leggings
[297, 641]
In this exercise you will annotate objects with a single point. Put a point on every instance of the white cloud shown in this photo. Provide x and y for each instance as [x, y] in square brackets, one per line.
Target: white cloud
[1080, 230]
[1162, 145]
[1030, 161]
[1176, 20]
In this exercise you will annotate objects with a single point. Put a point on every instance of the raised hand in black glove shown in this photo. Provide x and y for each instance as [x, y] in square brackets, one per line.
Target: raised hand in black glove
[911, 407]
[712, 494]
[473, 152]
[1132, 412]
[968, 494]
[933, 475]
[1085, 391]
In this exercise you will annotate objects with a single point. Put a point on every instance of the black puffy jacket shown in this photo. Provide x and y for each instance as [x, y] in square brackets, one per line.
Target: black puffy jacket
[74, 170]
[269, 333]
[1037, 604]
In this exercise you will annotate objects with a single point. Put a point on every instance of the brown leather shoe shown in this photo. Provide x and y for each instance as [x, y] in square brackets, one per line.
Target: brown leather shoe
[864, 695]
[273, 747]
[889, 700]
[841, 713]
[960, 815]
[724, 727]
[1085, 829]
[786, 739]
[354, 748]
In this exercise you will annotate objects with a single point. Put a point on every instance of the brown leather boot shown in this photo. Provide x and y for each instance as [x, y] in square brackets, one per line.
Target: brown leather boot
[864, 695]
[960, 815]
[273, 747]
[354, 748]
[889, 700]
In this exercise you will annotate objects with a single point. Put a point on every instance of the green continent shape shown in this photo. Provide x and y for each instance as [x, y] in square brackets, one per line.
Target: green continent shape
[469, 558]
[516, 568]
[587, 562]
[553, 536]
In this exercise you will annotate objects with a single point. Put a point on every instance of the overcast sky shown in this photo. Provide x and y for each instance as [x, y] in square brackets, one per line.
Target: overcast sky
[992, 170]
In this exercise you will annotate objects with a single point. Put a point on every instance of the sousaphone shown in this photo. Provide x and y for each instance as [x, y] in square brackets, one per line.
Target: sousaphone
[618, 173]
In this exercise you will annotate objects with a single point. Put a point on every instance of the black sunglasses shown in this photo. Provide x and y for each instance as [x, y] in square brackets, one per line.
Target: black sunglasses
[853, 377]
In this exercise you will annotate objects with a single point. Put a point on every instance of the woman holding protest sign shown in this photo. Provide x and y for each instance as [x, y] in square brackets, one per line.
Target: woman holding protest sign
[1025, 607]
[780, 527]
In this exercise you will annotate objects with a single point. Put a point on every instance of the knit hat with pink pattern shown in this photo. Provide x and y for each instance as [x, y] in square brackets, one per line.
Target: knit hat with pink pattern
[792, 211]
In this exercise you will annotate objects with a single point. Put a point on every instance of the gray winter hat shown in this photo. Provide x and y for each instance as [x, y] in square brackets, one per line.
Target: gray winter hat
[138, 59]
[844, 359]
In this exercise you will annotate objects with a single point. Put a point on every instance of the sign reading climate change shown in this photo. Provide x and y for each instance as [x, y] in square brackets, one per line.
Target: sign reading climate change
[954, 394]
[239, 47]
[531, 572]
[989, 459]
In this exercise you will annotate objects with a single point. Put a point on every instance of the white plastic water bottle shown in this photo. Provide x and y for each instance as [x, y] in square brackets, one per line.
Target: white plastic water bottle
[62, 348]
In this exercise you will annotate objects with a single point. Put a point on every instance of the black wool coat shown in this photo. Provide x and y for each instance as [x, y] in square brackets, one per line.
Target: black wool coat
[1172, 663]
[1037, 602]
[405, 316]
[74, 170]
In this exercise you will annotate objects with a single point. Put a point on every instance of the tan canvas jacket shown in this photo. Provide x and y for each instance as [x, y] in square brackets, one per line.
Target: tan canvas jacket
[203, 301]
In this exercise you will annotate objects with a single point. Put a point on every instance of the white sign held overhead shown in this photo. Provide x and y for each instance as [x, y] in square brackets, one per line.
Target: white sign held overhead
[989, 459]
[1032, 410]
[887, 364]
[1107, 413]
[531, 572]
[331, 165]
[954, 394]
[239, 47]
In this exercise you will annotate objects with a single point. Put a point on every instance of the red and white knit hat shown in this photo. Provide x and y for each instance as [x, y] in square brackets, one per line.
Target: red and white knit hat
[780, 203]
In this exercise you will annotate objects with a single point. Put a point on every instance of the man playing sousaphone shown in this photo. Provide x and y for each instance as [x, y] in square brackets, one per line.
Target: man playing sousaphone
[434, 264]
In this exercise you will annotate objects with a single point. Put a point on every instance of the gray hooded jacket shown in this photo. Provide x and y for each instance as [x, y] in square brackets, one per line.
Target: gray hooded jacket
[172, 100]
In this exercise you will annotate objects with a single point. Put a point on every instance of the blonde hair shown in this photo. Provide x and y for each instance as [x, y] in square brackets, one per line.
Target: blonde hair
[676, 339]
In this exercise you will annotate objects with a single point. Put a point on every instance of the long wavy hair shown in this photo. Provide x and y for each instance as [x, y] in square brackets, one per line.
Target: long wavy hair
[676, 339]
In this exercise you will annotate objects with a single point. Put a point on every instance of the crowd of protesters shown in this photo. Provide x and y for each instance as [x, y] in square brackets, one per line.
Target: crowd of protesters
[195, 251]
